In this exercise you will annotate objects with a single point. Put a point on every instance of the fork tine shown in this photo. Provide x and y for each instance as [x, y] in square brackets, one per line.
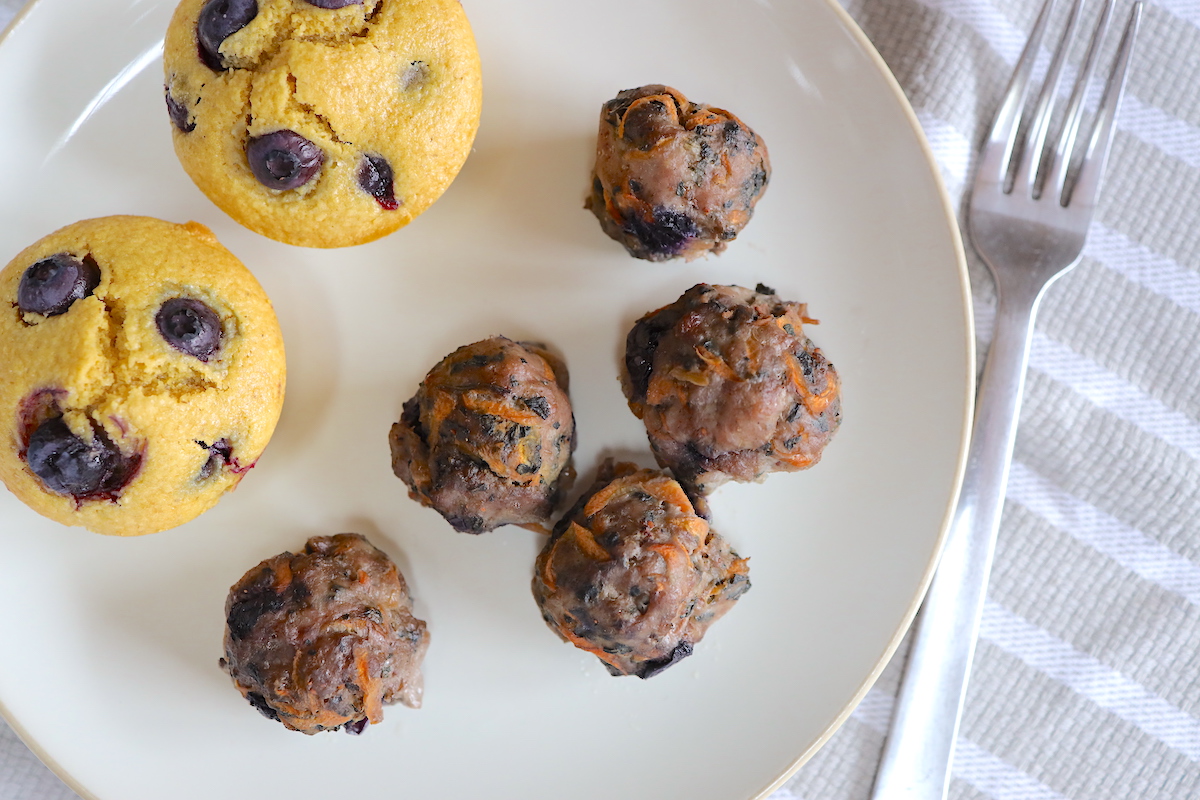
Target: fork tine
[1031, 155]
[1087, 185]
[1060, 160]
[997, 151]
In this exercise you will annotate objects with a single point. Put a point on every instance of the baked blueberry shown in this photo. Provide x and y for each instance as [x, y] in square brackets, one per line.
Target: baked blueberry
[665, 234]
[415, 75]
[51, 285]
[178, 113]
[68, 465]
[284, 159]
[330, 4]
[220, 454]
[218, 20]
[190, 326]
[375, 178]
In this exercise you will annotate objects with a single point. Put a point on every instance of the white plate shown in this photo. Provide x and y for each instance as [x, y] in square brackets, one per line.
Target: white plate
[109, 663]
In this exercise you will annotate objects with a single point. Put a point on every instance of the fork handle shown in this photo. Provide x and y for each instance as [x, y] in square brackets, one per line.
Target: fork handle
[920, 746]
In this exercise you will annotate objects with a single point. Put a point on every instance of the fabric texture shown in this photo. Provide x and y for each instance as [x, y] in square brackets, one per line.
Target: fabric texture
[1084, 685]
[1085, 682]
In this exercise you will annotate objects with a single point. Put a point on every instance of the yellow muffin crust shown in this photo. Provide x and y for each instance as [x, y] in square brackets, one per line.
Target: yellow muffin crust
[396, 79]
[103, 365]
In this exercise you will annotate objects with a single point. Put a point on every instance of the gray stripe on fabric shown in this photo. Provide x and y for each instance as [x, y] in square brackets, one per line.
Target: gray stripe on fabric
[1146, 484]
[1088, 310]
[1151, 198]
[1102, 609]
[1063, 740]
[1028, 729]
[1167, 68]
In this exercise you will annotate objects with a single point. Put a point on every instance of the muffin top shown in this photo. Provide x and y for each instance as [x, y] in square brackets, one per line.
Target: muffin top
[322, 123]
[144, 373]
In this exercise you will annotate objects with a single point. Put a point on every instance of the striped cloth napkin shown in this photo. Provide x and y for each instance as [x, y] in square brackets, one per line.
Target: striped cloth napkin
[1086, 678]
[1086, 683]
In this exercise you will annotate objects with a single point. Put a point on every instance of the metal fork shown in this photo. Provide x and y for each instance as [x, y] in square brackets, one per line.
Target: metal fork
[1029, 214]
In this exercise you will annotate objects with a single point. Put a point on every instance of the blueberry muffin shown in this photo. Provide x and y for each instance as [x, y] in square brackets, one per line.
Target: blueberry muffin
[487, 439]
[729, 386]
[323, 639]
[144, 374]
[322, 123]
[633, 575]
[674, 179]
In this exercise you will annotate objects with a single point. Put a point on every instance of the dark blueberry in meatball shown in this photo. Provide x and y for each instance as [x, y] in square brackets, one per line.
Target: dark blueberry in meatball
[283, 159]
[68, 465]
[333, 3]
[649, 123]
[537, 405]
[375, 178]
[51, 285]
[667, 233]
[260, 703]
[178, 113]
[190, 327]
[651, 668]
[359, 725]
[640, 347]
[218, 20]
[250, 603]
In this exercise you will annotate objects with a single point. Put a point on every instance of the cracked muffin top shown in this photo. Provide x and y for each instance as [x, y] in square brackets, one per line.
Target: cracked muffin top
[322, 123]
[144, 374]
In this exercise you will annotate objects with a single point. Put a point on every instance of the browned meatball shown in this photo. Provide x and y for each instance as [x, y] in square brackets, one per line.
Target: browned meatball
[323, 639]
[633, 575]
[729, 387]
[487, 439]
[674, 178]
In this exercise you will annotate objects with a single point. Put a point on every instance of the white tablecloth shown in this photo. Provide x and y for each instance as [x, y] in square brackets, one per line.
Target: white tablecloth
[1085, 685]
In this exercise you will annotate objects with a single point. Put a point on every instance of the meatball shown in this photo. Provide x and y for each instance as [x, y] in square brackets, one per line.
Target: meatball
[633, 575]
[488, 437]
[674, 178]
[323, 639]
[729, 386]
